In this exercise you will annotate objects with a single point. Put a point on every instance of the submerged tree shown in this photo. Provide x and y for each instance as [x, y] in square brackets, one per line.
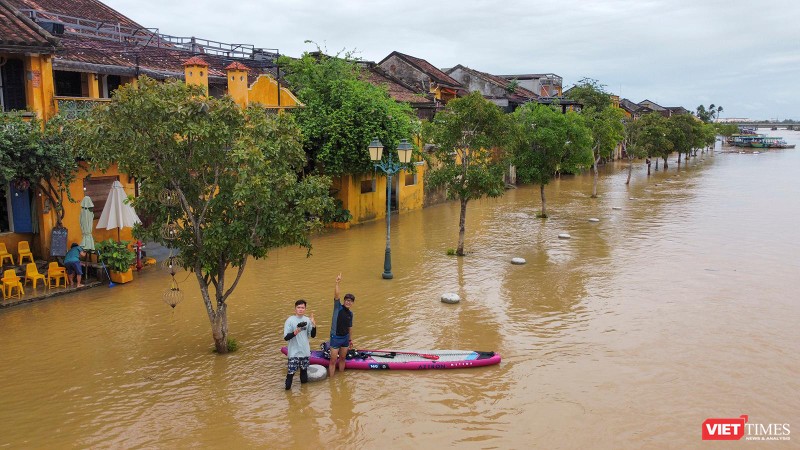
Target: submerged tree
[544, 141]
[686, 134]
[42, 158]
[234, 172]
[608, 131]
[465, 159]
[605, 121]
[647, 136]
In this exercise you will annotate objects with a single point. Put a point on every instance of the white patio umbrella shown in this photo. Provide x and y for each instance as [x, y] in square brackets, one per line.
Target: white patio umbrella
[116, 213]
[87, 217]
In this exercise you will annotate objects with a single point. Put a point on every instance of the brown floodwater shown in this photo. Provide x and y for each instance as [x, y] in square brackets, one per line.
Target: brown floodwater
[680, 306]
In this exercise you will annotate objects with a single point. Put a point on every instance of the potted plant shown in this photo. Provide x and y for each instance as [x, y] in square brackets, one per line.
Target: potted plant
[341, 216]
[118, 259]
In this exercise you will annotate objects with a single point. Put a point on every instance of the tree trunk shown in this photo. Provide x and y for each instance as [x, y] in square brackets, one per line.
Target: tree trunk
[665, 163]
[219, 328]
[218, 318]
[544, 201]
[656, 163]
[630, 170]
[594, 182]
[679, 159]
[461, 221]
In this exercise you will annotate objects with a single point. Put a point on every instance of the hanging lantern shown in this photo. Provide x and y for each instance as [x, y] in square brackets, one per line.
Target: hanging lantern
[173, 295]
[170, 231]
[168, 197]
[172, 264]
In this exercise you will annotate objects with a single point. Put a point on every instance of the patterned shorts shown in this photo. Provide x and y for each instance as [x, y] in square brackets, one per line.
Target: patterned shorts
[296, 362]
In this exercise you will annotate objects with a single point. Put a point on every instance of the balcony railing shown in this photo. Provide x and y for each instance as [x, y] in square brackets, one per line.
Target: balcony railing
[77, 107]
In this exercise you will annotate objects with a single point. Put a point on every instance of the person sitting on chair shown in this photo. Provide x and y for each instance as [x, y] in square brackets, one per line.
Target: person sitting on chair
[72, 261]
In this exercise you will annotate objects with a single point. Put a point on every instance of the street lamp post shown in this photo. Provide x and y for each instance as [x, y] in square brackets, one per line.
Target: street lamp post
[389, 167]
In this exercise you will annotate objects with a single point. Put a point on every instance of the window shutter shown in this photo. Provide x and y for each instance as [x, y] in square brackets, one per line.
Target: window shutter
[21, 210]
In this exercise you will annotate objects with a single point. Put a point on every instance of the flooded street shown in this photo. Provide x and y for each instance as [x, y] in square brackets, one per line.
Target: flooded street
[680, 306]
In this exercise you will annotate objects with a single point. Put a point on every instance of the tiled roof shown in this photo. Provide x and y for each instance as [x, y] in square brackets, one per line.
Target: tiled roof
[520, 94]
[397, 90]
[92, 55]
[195, 61]
[87, 9]
[429, 69]
[236, 65]
[17, 31]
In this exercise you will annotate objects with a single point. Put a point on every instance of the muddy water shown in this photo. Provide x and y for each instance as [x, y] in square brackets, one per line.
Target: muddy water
[679, 306]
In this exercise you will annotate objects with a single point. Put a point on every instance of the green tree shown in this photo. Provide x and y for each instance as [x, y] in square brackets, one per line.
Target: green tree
[343, 113]
[647, 136]
[465, 159]
[708, 114]
[39, 156]
[608, 131]
[685, 132]
[544, 141]
[591, 94]
[234, 173]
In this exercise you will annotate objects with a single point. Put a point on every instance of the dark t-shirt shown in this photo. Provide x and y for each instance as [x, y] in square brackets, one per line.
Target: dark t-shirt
[342, 319]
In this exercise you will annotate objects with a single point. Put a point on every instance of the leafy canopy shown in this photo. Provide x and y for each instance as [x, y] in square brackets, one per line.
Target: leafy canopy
[41, 156]
[343, 113]
[235, 173]
[545, 141]
[590, 93]
[464, 135]
[648, 136]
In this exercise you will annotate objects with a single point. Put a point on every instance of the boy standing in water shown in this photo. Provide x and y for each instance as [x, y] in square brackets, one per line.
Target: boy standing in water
[341, 324]
[297, 330]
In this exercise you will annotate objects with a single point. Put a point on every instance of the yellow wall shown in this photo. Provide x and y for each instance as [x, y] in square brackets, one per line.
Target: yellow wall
[372, 205]
[237, 87]
[411, 197]
[196, 75]
[72, 212]
[39, 85]
[265, 91]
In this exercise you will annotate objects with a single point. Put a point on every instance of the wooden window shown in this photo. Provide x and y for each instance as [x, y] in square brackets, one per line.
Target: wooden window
[97, 188]
[12, 85]
[411, 179]
[368, 186]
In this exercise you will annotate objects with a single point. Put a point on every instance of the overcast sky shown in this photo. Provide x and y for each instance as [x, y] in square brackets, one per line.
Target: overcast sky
[741, 54]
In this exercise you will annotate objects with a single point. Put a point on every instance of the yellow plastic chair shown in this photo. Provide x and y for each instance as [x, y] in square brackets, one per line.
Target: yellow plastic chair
[24, 250]
[32, 274]
[4, 254]
[55, 273]
[10, 281]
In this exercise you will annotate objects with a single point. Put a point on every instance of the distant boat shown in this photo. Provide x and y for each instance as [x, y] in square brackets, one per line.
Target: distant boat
[774, 128]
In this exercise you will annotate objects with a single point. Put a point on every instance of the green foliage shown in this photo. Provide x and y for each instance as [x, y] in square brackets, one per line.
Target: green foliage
[232, 345]
[343, 113]
[608, 130]
[725, 129]
[545, 141]
[340, 213]
[116, 255]
[685, 132]
[451, 252]
[44, 157]
[466, 160]
[708, 114]
[648, 136]
[235, 172]
[591, 94]
[465, 134]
